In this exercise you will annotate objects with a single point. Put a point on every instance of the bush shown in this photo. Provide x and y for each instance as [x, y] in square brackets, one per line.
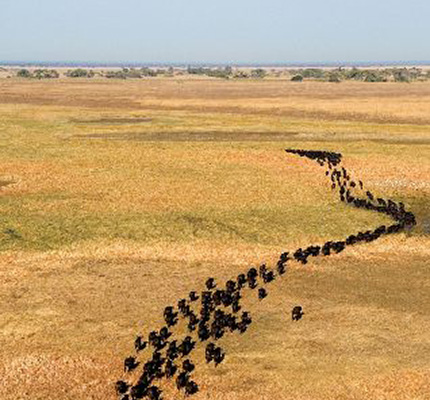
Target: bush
[228, 70]
[80, 73]
[297, 78]
[240, 75]
[334, 77]
[23, 73]
[315, 73]
[220, 73]
[354, 74]
[116, 74]
[258, 73]
[375, 76]
[415, 73]
[147, 72]
[215, 73]
[45, 74]
[401, 75]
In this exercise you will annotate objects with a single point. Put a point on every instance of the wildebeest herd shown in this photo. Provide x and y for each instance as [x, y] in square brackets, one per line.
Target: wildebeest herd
[217, 310]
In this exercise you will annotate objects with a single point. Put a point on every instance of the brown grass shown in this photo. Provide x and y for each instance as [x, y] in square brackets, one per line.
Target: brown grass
[114, 230]
[350, 100]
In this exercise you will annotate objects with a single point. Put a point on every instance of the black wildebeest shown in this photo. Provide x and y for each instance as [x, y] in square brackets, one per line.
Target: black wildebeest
[297, 313]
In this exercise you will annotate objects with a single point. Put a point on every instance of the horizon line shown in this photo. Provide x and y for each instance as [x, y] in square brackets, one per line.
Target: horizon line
[221, 63]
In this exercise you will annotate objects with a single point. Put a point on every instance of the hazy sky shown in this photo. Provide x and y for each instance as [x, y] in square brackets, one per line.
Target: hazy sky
[231, 31]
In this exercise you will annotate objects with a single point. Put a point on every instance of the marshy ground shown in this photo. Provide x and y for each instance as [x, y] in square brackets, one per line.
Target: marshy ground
[119, 197]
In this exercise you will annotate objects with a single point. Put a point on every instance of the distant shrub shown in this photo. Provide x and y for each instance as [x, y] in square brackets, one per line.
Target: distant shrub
[223, 73]
[120, 74]
[148, 72]
[334, 77]
[45, 74]
[195, 71]
[375, 76]
[415, 73]
[297, 78]
[353, 74]
[401, 75]
[228, 70]
[23, 73]
[212, 72]
[315, 73]
[133, 73]
[240, 75]
[258, 73]
[80, 73]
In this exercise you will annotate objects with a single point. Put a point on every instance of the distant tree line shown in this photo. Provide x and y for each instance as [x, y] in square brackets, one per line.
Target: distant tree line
[38, 74]
[138, 73]
[335, 75]
[80, 73]
[363, 75]
[227, 72]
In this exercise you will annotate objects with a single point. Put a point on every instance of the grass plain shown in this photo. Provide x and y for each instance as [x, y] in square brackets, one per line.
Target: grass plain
[118, 197]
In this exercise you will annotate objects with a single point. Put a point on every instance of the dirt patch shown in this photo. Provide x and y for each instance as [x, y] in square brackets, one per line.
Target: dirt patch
[114, 121]
[292, 112]
[426, 226]
[194, 136]
[217, 136]
[3, 184]
[313, 100]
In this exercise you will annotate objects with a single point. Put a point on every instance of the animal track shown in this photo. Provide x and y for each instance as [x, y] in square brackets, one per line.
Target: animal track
[219, 311]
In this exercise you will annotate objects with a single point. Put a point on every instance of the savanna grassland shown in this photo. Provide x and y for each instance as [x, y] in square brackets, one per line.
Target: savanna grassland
[119, 197]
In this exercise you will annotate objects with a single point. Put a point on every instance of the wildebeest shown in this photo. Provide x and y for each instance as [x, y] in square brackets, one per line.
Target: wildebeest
[297, 313]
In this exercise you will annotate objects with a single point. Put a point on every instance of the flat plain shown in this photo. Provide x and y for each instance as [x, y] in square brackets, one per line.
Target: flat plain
[119, 197]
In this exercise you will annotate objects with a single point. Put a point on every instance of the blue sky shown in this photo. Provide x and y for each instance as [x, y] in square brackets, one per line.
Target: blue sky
[233, 31]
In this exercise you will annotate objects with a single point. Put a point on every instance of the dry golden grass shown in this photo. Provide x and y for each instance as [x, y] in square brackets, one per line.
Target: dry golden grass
[196, 183]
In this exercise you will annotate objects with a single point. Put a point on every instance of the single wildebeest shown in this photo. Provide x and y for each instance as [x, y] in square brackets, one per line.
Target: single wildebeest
[297, 313]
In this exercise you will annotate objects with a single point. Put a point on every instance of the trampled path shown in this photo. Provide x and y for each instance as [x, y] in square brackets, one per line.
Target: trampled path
[216, 311]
